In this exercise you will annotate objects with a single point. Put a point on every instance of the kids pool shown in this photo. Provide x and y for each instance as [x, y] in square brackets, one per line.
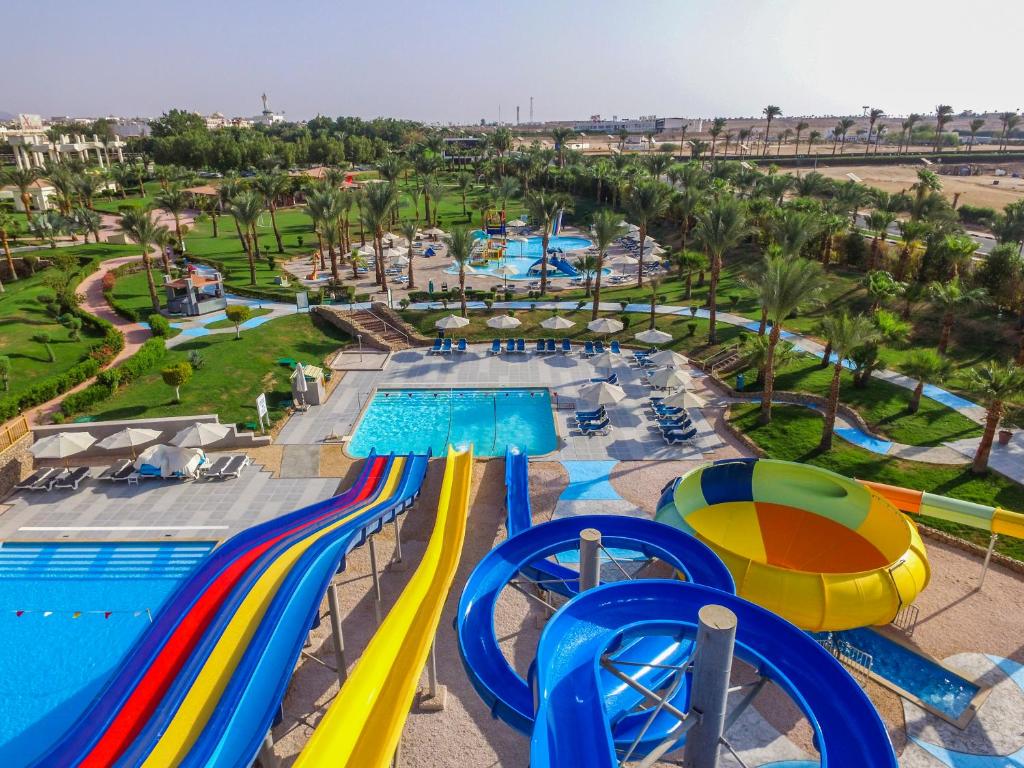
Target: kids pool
[523, 254]
[404, 420]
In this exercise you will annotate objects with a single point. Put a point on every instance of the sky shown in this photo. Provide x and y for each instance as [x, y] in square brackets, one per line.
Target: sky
[463, 60]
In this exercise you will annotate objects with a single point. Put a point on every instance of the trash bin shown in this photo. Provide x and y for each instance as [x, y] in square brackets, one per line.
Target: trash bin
[430, 287]
[739, 382]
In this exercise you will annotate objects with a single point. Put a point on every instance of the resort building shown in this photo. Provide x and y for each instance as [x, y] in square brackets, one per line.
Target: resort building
[32, 148]
[41, 191]
[647, 124]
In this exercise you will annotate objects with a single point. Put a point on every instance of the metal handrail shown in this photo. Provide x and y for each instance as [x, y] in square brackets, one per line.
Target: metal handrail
[388, 325]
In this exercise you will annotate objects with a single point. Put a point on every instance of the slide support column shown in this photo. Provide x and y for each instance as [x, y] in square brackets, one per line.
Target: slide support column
[436, 695]
[267, 757]
[590, 558]
[988, 556]
[376, 579]
[716, 636]
[339, 639]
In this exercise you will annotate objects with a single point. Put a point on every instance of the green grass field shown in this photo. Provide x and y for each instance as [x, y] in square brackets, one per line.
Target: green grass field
[793, 435]
[233, 373]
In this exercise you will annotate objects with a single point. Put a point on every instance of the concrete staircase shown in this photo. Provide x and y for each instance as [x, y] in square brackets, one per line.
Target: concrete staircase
[379, 327]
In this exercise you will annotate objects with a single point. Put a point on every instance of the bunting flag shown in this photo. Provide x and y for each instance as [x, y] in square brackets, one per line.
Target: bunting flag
[19, 613]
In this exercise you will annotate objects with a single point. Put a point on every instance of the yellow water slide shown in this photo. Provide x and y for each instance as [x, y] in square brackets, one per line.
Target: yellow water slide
[364, 723]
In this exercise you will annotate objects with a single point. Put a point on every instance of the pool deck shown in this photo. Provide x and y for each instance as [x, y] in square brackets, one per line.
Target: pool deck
[632, 437]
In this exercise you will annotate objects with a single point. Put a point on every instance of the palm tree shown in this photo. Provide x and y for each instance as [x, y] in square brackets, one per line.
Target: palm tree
[800, 128]
[23, 179]
[607, 227]
[559, 136]
[841, 129]
[271, 186]
[783, 136]
[324, 207]
[952, 296]
[543, 208]
[943, 116]
[976, 125]
[812, 138]
[770, 112]
[623, 134]
[88, 185]
[464, 184]
[8, 227]
[246, 208]
[460, 248]
[139, 226]
[585, 264]
[648, 201]
[684, 206]
[506, 188]
[688, 262]
[845, 333]
[1009, 120]
[88, 221]
[433, 191]
[720, 227]
[873, 116]
[996, 383]
[912, 233]
[408, 229]
[927, 366]
[377, 203]
[878, 222]
[717, 126]
[173, 200]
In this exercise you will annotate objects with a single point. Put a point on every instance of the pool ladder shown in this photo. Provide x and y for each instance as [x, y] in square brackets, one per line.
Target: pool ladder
[858, 661]
[906, 620]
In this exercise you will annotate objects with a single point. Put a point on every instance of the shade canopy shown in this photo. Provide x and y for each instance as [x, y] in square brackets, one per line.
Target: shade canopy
[401, 261]
[507, 270]
[130, 438]
[392, 253]
[171, 460]
[684, 399]
[451, 321]
[434, 232]
[604, 360]
[601, 393]
[201, 434]
[61, 445]
[668, 357]
[504, 321]
[605, 325]
[653, 336]
[667, 378]
[557, 323]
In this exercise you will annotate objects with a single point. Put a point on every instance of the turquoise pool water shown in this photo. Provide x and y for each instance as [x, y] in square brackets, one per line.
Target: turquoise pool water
[522, 256]
[916, 674]
[404, 420]
[68, 613]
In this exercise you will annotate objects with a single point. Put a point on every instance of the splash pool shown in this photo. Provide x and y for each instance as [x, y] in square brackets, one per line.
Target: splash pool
[68, 613]
[523, 254]
[417, 420]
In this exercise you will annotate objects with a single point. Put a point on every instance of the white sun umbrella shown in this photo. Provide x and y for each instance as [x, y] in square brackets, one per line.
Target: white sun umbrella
[631, 227]
[669, 358]
[130, 438]
[299, 382]
[626, 259]
[601, 393]
[669, 378]
[557, 323]
[516, 223]
[61, 445]
[171, 459]
[653, 336]
[202, 434]
[451, 321]
[605, 360]
[504, 322]
[435, 232]
[605, 325]
[506, 270]
[391, 253]
[683, 398]
[401, 261]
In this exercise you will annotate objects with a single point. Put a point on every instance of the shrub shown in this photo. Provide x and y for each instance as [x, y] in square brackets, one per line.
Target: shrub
[195, 359]
[177, 376]
[692, 328]
[853, 249]
[626, 320]
[159, 325]
[5, 372]
[45, 339]
[360, 298]
[623, 305]
[238, 314]
[976, 214]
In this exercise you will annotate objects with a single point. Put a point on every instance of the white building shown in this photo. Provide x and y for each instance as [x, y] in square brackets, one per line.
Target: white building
[33, 148]
[644, 124]
[42, 193]
[216, 121]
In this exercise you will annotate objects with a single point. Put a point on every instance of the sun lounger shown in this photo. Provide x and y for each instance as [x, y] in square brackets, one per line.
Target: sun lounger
[540, 347]
[39, 480]
[70, 478]
[510, 346]
[589, 421]
[521, 345]
[227, 466]
[610, 379]
[615, 349]
[680, 422]
[589, 415]
[666, 410]
[678, 436]
[446, 347]
[550, 347]
[588, 349]
[596, 428]
[436, 349]
[462, 346]
[117, 471]
[566, 347]
[495, 347]
[598, 347]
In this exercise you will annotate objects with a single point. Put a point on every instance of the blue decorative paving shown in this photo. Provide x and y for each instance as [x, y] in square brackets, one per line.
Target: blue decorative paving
[1014, 670]
[956, 759]
[947, 398]
[864, 440]
[589, 481]
[195, 332]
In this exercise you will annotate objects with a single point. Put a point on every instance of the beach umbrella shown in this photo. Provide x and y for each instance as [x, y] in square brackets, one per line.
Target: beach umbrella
[435, 232]
[605, 360]
[684, 399]
[668, 378]
[171, 459]
[626, 259]
[299, 382]
[401, 261]
[391, 253]
[451, 321]
[653, 336]
[61, 445]
[516, 223]
[601, 393]
[202, 434]
[506, 270]
[605, 325]
[504, 322]
[557, 323]
[669, 358]
[130, 438]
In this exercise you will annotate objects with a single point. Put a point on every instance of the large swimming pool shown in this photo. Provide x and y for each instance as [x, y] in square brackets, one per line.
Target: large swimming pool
[523, 254]
[404, 420]
[68, 613]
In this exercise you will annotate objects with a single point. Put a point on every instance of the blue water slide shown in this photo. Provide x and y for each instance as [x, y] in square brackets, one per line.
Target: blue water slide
[110, 699]
[498, 684]
[562, 265]
[848, 731]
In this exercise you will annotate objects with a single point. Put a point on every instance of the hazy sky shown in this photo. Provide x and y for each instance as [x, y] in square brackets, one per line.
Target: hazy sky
[458, 60]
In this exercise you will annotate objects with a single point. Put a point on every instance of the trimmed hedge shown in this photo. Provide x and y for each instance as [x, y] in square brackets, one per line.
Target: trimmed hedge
[159, 325]
[150, 354]
[976, 214]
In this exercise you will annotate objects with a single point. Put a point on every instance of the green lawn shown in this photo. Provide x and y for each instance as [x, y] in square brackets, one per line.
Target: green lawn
[22, 316]
[793, 435]
[257, 312]
[233, 374]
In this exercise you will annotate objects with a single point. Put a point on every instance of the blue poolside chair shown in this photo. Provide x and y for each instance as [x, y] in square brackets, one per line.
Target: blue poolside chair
[598, 347]
[674, 423]
[510, 346]
[582, 417]
[590, 414]
[462, 346]
[436, 349]
[615, 349]
[610, 379]
[550, 347]
[678, 436]
[521, 345]
[666, 410]
[540, 347]
[588, 349]
[496, 347]
[601, 427]
[446, 348]
[566, 347]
